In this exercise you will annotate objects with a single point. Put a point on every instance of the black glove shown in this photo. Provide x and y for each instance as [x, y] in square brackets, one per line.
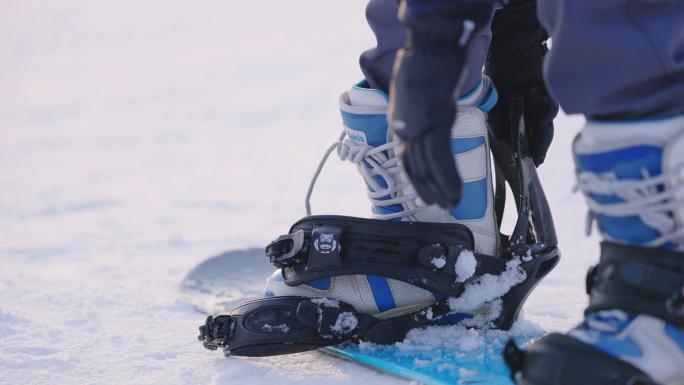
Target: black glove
[514, 64]
[423, 91]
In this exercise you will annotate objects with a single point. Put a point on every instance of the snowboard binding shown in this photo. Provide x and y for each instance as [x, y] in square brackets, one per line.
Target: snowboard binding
[326, 246]
[634, 279]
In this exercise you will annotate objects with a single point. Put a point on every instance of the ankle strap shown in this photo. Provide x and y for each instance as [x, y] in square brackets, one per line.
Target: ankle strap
[421, 253]
[640, 280]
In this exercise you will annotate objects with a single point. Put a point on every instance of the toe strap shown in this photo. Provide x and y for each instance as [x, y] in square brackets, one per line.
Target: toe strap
[283, 325]
[559, 359]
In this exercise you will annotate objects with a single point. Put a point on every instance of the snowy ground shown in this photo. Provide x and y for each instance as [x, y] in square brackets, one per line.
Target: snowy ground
[139, 137]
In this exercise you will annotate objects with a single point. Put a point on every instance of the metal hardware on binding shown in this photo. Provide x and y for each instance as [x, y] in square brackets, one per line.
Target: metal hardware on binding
[284, 250]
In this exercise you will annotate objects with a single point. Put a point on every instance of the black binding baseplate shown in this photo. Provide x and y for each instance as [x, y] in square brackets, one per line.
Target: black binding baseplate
[326, 246]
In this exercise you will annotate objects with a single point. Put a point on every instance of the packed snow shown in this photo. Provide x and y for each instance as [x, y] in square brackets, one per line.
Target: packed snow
[280, 328]
[326, 302]
[488, 288]
[438, 262]
[140, 137]
[465, 265]
[345, 323]
[429, 314]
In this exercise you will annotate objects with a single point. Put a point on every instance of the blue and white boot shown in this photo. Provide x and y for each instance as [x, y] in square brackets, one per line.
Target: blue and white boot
[632, 176]
[369, 144]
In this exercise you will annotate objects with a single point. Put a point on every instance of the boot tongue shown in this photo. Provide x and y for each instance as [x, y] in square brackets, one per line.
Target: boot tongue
[362, 95]
[368, 124]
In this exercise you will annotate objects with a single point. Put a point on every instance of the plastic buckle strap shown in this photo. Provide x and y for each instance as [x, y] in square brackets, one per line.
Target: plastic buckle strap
[638, 279]
[448, 253]
[655, 281]
[422, 254]
[284, 250]
[216, 331]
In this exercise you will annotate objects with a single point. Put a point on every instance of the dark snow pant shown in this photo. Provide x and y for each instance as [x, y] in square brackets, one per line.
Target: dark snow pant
[376, 63]
[610, 59]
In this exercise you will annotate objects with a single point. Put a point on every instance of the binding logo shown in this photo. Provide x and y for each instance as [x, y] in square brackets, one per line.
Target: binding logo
[325, 243]
[357, 136]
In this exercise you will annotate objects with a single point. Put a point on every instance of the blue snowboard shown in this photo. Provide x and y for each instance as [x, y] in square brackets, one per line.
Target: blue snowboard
[473, 357]
[440, 366]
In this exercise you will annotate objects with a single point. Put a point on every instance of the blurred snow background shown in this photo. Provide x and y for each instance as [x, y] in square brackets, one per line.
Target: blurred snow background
[139, 137]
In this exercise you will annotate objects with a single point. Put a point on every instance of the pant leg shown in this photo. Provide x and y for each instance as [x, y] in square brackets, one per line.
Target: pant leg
[616, 59]
[376, 63]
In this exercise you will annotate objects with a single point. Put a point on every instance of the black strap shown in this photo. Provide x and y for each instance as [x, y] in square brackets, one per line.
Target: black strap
[282, 325]
[563, 359]
[638, 279]
[422, 254]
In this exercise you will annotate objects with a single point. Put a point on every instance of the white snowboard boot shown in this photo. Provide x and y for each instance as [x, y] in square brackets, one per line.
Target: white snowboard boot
[371, 147]
[632, 176]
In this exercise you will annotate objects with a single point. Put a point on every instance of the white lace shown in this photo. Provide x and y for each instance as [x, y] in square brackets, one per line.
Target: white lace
[372, 161]
[653, 199]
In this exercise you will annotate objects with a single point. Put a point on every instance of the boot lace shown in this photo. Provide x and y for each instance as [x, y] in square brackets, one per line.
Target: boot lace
[373, 161]
[653, 199]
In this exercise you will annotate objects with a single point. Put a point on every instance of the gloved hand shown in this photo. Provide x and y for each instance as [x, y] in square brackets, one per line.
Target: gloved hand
[426, 79]
[514, 64]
